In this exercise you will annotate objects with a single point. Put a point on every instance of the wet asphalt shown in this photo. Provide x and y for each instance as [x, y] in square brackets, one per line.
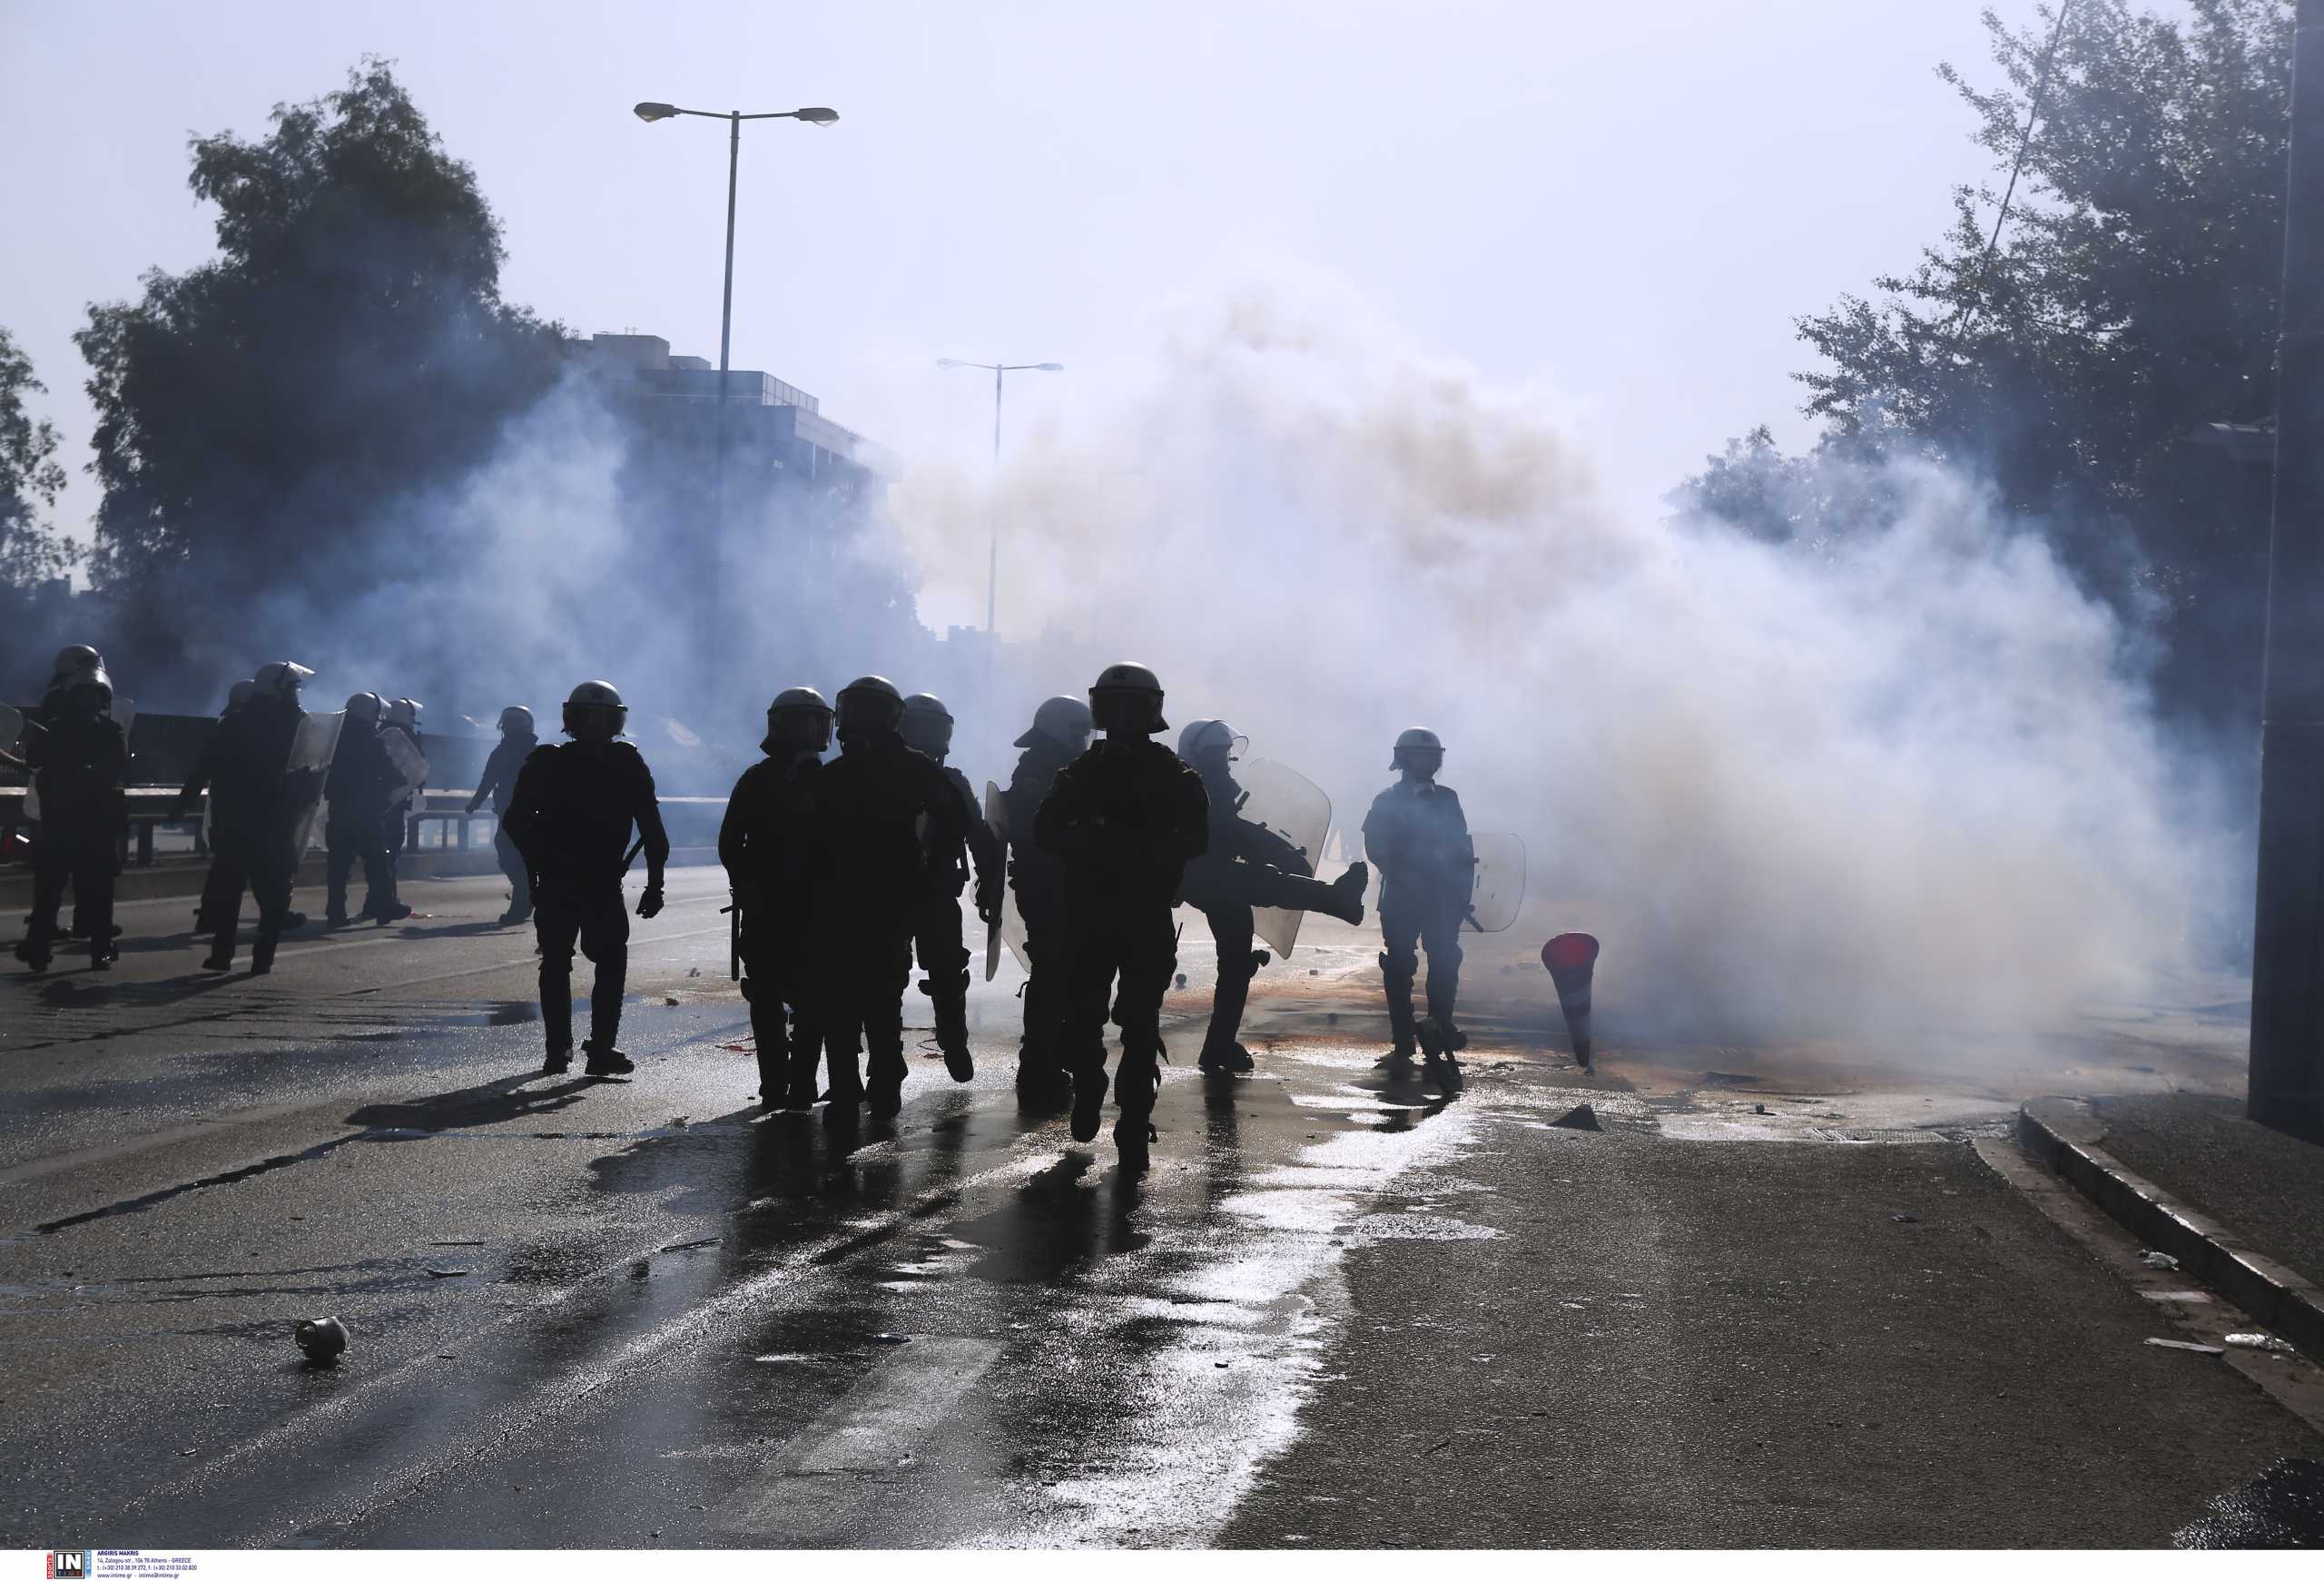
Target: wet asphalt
[1777, 1300]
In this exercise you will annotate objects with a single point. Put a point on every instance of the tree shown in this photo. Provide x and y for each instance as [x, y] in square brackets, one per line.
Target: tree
[260, 416]
[30, 478]
[2130, 299]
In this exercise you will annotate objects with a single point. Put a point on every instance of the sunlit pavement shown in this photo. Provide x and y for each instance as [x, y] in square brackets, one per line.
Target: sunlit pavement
[1776, 1300]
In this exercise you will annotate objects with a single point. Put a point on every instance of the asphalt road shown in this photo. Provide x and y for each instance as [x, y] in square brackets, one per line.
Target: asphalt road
[1336, 1313]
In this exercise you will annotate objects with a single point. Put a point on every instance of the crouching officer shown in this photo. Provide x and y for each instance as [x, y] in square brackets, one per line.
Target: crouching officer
[79, 761]
[936, 926]
[517, 739]
[1418, 837]
[570, 814]
[885, 808]
[1125, 818]
[770, 842]
[1245, 866]
[1059, 735]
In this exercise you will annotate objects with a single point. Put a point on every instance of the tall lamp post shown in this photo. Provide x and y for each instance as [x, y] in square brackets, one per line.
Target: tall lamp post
[814, 115]
[1000, 371]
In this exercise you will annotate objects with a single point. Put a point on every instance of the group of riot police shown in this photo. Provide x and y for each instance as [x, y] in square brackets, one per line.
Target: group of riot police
[842, 868]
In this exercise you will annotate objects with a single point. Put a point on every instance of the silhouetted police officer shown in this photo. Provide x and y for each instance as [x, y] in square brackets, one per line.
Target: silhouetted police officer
[571, 815]
[517, 739]
[259, 811]
[1125, 817]
[885, 808]
[1245, 866]
[936, 926]
[221, 876]
[79, 761]
[771, 845]
[1418, 837]
[362, 783]
[1059, 733]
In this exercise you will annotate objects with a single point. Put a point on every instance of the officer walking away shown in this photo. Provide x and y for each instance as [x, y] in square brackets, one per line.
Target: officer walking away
[936, 928]
[403, 718]
[518, 736]
[1418, 837]
[770, 844]
[363, 781]
[76, 660]
[257, 813]
[1125, 818]
[1245, 866]
[571, 815]
[885, 808]
[1059, 735]
[204, 777]
[79, 761]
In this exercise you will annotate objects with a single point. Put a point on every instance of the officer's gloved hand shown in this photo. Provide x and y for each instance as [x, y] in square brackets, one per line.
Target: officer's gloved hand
[649, 905]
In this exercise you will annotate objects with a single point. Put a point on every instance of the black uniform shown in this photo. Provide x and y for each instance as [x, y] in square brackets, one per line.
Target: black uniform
[570, 813]
[771, 846]
[883, 807]
[1125, 818]
[936, 922]
[500, 779]
[1038, 879]
[254, 807]
[398, 819]
[223, 877]
[1417, 835]
[362, 779]
[80, 765]
[1244, 866]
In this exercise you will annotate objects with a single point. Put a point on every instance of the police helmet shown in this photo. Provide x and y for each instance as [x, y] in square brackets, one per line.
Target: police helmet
[281, 679]
[928, 723]
[517, 720]
[238, 694]
[403, 711]
[1212, 736]
[596, 709]
[871, 701]
[798, 717]
[1417, 740]
[365, 706]
[1132, 684]
[1064, 720]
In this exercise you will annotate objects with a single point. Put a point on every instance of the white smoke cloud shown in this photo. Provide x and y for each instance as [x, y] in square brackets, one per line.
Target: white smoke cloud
[1911, 783]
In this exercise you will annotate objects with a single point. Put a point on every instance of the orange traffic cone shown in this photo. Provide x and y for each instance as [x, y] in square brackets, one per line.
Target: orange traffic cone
[1570, 958]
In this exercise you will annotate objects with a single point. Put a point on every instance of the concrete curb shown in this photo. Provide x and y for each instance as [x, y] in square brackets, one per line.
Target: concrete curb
[2063, 1133]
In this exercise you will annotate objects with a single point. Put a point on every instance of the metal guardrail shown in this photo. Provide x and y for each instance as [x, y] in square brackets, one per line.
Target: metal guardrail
[152, 808]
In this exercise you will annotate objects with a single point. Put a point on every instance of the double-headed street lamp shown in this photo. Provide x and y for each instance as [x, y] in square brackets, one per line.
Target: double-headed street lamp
[999, 370]
[814, 115]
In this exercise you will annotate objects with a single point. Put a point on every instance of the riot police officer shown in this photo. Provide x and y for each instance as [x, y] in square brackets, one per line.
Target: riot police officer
[260, 804]
[361, 791]
[518, 736]
[79, 761]
[571, 815]
[221, 876]
[1059, 735]
[1418, 837]
[1245, 866]
[1125, 818]
[936, 926]
[771, 843]
[885, 808]
[402, 719]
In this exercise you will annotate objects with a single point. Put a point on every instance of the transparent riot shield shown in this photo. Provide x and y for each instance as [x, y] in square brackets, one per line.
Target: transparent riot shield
[1291, 816]
[410, 763]
[1499, 888]
[304, 774]
[1007, 929]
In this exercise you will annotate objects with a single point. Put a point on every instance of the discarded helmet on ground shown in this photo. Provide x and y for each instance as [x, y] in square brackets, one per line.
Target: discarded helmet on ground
[1130, 693]
[1211, 736]
[364, 708]
[1064, 720]
[928, 723]
[870, 702]
[323, 1339]
[517, 720]
[281, 679]
[798, 718]
[1419, 746]
[595, 710]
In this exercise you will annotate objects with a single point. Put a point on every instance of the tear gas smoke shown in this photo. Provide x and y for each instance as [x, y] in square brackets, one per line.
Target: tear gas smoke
[1911, 783]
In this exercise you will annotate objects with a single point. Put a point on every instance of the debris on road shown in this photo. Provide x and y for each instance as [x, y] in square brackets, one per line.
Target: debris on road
[2186, 1345]
[2257, 1343]
[1581, 1117]
[447, 1273]
[669, 999]
[1903, 1219]
[886, 1338]
[324, 1340]
[693, 971]
[2161, 1260]
[692, 1245]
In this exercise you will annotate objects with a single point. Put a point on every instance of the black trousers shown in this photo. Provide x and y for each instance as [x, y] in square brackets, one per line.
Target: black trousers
[266, 868]
[1429, 923]
[1120, 956]
[349, 840]
[936, 941]
[786, 1019]
[1226, 894]
[89, 859]
[1043, 1046]
[865, 969]
[597, 918]
[520, 878]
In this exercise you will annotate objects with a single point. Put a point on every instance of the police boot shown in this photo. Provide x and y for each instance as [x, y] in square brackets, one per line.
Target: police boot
[1134, 1087]
[846, 1089]
[1089, 1100]
[32, 950]
[222, 955]
[263, 953]
[952, 1032]
[1438, 1039]
[884, 1091]
[1347, 894]
[1225, 1058]
[605, 1060]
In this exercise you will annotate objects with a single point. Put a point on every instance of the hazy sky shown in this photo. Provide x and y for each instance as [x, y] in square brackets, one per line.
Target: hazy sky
[1626, 203]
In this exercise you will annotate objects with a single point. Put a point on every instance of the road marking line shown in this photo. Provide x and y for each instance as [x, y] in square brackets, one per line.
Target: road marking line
[106, 1152]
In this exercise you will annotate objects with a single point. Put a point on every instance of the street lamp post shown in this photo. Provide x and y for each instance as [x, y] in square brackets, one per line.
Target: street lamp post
[651, 112]
[999, 370]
